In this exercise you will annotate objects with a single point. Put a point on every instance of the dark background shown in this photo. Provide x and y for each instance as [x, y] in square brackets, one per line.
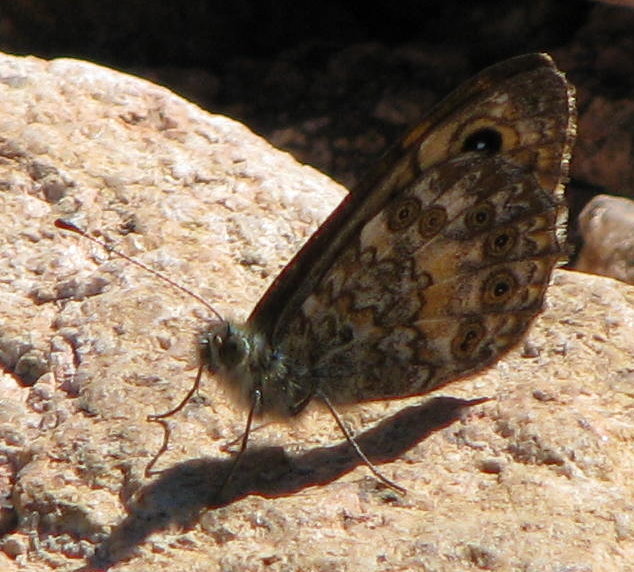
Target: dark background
[209, 34]
[335, 82]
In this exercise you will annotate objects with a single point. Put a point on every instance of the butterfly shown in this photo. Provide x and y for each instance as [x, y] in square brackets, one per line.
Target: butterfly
[429, 270]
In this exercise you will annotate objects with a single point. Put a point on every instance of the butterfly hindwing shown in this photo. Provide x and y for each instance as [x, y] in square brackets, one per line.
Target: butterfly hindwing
[438, 266]
[432, 267]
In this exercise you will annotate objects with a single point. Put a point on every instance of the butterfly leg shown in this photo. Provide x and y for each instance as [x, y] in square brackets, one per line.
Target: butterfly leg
[183, 402]
[227, 447]
[243, 447]
[159, 418]
[350, 438]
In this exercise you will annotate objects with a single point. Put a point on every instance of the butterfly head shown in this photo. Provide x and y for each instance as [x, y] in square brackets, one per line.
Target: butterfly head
[254, 373]
[222, 347]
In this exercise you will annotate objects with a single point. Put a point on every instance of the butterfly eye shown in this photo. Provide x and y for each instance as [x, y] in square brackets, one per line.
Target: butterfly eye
[432, 221]
[469, 335]
[498, 288]
[231, 350]
[403, 213]
[501, 242]
[486, 141]
[480, 217]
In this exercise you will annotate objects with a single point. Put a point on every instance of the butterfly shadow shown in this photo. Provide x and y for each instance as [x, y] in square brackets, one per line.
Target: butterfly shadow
[179, 495]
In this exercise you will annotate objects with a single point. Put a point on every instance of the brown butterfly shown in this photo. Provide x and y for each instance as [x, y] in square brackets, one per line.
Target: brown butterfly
[428, 271]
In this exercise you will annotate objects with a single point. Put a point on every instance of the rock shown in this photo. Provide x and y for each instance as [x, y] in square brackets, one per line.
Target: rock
[607, 228]
[602, 73]
[605, 150]
[536, 477]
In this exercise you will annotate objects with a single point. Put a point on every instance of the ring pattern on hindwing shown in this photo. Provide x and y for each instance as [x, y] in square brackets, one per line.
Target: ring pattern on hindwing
[435, 265]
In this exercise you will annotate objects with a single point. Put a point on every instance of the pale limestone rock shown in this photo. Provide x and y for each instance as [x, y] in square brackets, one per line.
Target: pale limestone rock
[607, 227]
[539, 477]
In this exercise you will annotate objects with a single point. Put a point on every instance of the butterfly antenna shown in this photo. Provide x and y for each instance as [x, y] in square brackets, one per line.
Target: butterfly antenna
[66, 225]
[158, 418]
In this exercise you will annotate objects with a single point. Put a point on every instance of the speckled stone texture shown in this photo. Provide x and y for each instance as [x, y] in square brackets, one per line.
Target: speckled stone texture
[537, 477]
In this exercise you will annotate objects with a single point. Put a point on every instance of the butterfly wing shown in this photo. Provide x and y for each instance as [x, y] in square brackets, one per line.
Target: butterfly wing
[436, 265]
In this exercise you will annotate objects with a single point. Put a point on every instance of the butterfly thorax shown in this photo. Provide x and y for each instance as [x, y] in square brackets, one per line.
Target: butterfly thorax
[254, 373]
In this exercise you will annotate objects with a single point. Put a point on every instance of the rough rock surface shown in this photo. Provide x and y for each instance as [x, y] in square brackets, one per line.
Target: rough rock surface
[607, 227]
[537, 477]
